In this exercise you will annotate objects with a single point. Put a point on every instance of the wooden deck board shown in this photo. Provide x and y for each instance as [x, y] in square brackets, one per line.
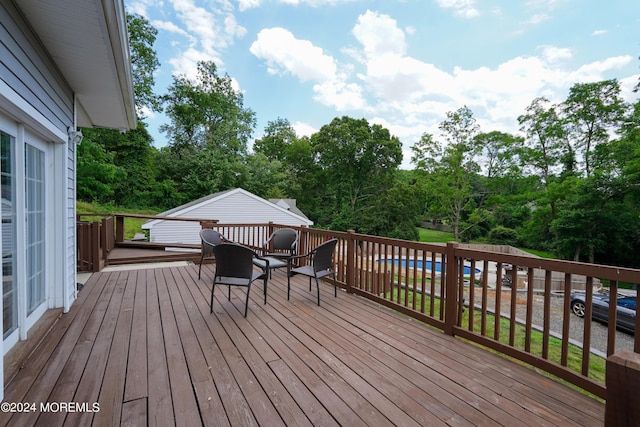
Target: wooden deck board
[159, 397]
[143, 345]
[136, 374]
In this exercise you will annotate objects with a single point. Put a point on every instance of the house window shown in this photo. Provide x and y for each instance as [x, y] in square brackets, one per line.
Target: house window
[9, 283]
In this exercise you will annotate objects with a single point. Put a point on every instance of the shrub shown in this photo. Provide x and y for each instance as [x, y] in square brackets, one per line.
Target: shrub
[503, 236]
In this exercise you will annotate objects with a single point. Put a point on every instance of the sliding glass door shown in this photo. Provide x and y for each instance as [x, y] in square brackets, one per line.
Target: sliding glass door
[23, 234]
[35, 226]
[9, 247]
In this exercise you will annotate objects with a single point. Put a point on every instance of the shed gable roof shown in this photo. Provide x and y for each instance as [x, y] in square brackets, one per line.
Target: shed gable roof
[184, 210]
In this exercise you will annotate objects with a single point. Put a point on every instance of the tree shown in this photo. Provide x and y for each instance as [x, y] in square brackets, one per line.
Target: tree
[356, 162]
[545, 138]
[592, 110]
[450, 169]
[144, 62]
[132, 152]
[97, 175]
[278, 137]
[209, 129]
[207, 113]
[268, 178]
[394, 212]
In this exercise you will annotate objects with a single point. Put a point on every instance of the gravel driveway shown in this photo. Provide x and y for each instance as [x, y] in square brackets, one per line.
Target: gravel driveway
[599, 332]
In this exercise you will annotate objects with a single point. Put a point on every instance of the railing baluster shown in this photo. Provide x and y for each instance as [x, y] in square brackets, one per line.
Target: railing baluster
[514, 302]
[497, 316]
[485, 291]
[472, 294]
[586, 336]
[547, 310]
[529, 320]
[566, 319]
[612, 318]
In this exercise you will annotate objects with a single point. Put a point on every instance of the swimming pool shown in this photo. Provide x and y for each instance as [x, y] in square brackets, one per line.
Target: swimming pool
[427, 266]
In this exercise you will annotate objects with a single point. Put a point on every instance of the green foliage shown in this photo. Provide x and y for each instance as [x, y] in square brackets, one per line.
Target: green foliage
[207, 113]
[591, 109]
[393, 213]
[97, 175]
[279, 135]
[503, 236]
[209, 129]
[449, 170]
[354, 164]
[144, 61]
[131, 225]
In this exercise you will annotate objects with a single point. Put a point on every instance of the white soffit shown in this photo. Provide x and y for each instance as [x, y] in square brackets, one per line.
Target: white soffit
[88, 42]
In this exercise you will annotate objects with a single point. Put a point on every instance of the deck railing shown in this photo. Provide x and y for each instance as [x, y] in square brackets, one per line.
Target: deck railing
[503, 301]
[488, 297]
[95, 239]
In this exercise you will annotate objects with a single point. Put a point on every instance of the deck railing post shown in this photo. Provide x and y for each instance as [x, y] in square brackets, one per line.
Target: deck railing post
[119, 228]
[623, 400]
[351, 260]
[451, 292]
[95, 246]
[104, 240]
[303, 232]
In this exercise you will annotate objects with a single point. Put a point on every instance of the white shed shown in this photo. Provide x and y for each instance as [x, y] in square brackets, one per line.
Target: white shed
[235, 206]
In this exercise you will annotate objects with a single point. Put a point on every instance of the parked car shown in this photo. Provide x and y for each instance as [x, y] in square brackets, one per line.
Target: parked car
[626, 309]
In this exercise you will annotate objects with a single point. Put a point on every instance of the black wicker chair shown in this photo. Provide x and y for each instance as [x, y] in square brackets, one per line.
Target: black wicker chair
[320, 265]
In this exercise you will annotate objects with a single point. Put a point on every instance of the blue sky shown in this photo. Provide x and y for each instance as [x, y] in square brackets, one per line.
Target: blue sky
[399, 63]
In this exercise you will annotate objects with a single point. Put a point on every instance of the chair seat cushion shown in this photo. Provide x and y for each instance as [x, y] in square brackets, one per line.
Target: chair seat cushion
[307, 270]
[236, 281]
[273, 262]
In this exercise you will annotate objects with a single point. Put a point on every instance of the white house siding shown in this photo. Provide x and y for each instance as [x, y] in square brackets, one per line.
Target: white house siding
[24, 69]
[233, 207]
[36, 108]
[67, 67]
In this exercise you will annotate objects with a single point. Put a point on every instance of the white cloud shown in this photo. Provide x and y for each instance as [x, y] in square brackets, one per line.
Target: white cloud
[553, 53]
[303, 129]
[140, 7]
[379, 34]
[244, 5]
[593, 72]
[462, 8]
[599, 32]
[187, 63]
[413, 95]
[171, 27]
[340, 95]
[537, 18]
[284, 53]
[207, 33]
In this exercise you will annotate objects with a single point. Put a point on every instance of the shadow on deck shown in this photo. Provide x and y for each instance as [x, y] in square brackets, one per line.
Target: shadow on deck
[142, 345]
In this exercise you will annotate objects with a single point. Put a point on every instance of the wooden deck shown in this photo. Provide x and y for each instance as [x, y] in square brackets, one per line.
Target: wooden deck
[144, 347]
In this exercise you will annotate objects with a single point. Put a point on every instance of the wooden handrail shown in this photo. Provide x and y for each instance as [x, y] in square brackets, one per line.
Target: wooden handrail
[170, 218]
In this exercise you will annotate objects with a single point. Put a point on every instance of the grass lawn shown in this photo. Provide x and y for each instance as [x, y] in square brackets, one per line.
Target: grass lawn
[435, 236]
[597, 364]
[131, 225]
